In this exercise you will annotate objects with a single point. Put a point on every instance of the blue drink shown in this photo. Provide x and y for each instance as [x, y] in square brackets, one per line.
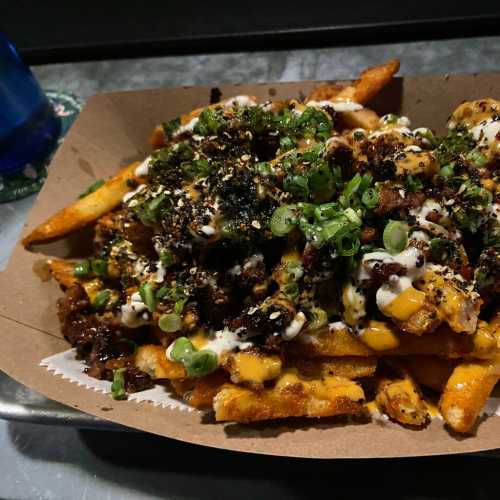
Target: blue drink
[28, 126]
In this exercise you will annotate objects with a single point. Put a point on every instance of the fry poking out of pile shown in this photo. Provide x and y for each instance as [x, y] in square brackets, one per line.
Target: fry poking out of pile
[296, 259]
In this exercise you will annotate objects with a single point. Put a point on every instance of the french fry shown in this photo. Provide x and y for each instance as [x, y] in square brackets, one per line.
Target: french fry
[205, 389]
[325, 92]
[252, 367]
[425, 320]
[85, 210]
[466, 392]
[350, 367]
[153, 360]
[62, 271]
[362, 118]
[430, 371]
[402, 401]
[370, 83]
[290, 397]
[442, 342]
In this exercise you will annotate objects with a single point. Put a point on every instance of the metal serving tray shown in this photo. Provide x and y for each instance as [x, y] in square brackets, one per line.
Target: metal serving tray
[19, 403]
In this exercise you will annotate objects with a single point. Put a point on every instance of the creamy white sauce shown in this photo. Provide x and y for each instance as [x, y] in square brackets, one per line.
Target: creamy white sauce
[413, 149]
[294, 328]
[253, 261]
[161, 271]
[226, 340]
[422, 212]
[388, 292]
[485, 133]
[338, 106]
[208, 230]
[128, 196]
[419, 236]
[494, 212]
[131, 312]
[402, 121]
[404, 131]
[143, 169]
[240, 101]
[188, 127]
[357, 302]
[337, 325]
[421, 133]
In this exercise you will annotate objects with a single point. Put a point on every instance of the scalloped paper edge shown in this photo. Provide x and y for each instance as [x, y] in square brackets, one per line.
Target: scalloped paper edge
[69, 368]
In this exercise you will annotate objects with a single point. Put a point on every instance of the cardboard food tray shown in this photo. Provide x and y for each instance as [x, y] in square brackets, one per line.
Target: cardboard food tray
[113, 130]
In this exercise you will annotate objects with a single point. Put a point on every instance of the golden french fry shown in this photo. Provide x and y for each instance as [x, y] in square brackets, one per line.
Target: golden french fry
[370, 83]
[85, 210]
[290, 397]
[362, 118]
[402, 401]
[205, 389]
[425, 320]
[152, 359]
[252, 367]
[325, 92]
[350, 367]
[466, 392]
[430, 371]
[62, 271]
[442, 342]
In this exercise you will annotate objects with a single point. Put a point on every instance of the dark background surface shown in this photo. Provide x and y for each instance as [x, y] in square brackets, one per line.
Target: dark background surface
[50, 31]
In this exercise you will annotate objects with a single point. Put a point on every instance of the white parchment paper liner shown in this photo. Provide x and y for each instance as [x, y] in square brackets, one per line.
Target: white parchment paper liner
[68, 367]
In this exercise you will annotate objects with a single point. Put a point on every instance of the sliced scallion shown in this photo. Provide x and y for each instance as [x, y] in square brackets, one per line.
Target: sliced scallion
[282, 221]
[148, 296]
[182, 350]
[171, 322]
[395, 236]
[201, 363]
[82, 269]
[118, 385]
[99, 266]
[101, 299]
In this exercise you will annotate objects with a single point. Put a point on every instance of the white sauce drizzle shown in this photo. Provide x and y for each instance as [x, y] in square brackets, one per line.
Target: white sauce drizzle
[293, 329]
[422, 212]
[338, 106]
[131, 312]
[188, 127]
[208, 230]
[485, 133]
[240, 101]
[128, 196]
[143, 169]
[337, 325]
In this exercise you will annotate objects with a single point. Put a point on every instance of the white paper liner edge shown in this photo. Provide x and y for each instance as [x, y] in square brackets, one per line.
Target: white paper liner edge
[68, 367]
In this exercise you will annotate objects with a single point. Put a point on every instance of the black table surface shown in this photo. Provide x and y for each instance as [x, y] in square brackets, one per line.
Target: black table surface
[52, 31]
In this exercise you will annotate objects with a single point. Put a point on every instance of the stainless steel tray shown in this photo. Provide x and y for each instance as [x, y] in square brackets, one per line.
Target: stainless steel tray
[18, 402]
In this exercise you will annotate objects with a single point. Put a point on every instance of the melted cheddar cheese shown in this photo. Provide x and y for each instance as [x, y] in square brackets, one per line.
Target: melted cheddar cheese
[407, 303]
[379, 336]
[250, 367]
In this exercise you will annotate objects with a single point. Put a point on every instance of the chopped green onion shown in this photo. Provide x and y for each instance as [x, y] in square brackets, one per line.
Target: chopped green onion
[209, 122]
[162, 292]
[148, 296]
[346, 240]
[282, 221]
[99, 266]
[166, 258]
[395, 236]
[82, 269]
[370, 198]
[298, 185]
[294, 270]
[182, 350]
[170, 322]
[326, 211]
[447, 170]
[179, 305]
[93, 187]
[101, 300]
[442, 249]
[414, 184]
[171, 126]
[201, 363]
[118, 385]
[263, 168]
[291, 290]
[286, 143]
[319, 318]
[477, 158]
[353, 216]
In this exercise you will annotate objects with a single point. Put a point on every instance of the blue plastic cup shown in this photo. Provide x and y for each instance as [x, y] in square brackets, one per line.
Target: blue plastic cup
[29, 128]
